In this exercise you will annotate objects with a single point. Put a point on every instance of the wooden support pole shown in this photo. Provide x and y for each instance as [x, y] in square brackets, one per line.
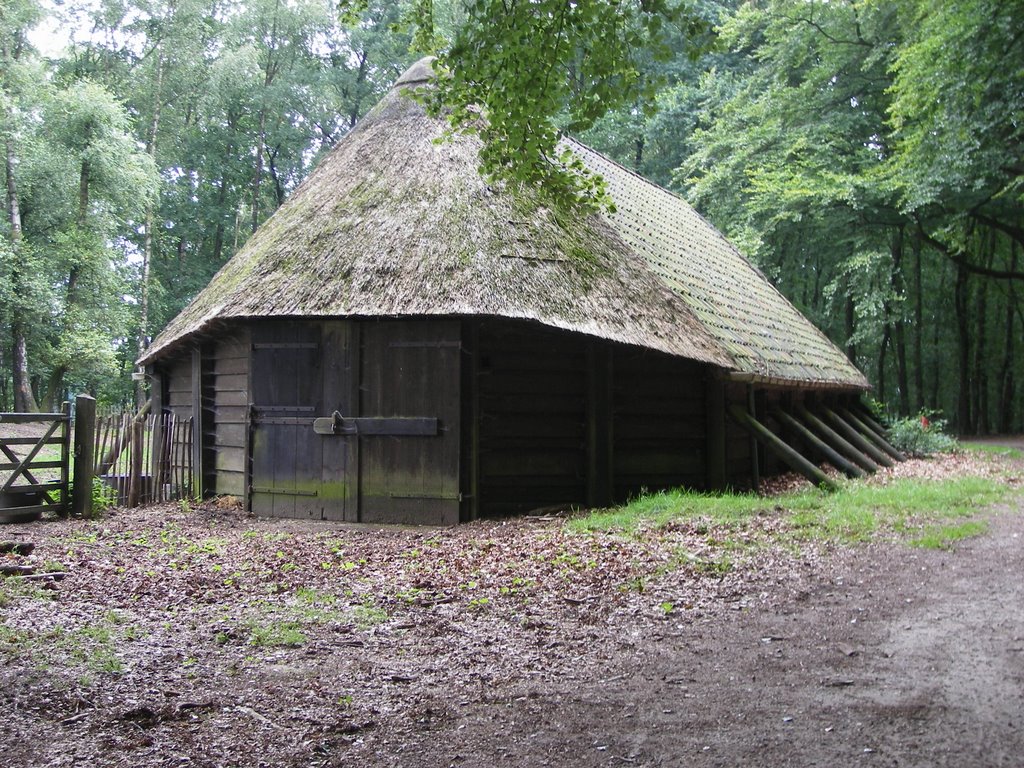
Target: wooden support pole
[714, 406]
[837, 441]
[781, 449]
[868, 419]
[85, 428]
[855, 437]
[840, 461]
[870, 434]
[755, 461]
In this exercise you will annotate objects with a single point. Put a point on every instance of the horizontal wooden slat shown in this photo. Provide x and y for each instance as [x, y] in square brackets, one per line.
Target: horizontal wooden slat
[7, 467]
[31, 440]
[29, 418]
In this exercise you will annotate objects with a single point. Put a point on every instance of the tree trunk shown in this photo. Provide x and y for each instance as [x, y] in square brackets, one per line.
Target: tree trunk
[1004, 419]
[24, 401]
[899, 337]
[850, 316]
[883, 347]
[147, 246]
[979, 378]
[918, 327]
[963, 402]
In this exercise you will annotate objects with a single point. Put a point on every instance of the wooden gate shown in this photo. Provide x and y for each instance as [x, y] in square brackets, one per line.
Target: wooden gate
[34, 467]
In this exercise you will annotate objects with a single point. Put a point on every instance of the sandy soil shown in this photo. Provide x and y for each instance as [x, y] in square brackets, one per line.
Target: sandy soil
[507, 644]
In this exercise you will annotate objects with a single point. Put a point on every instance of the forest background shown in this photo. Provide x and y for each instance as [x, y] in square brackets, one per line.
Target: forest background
[867, 156]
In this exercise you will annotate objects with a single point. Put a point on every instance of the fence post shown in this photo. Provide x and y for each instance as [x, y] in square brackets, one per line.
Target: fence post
[85, 428]
[135, 467]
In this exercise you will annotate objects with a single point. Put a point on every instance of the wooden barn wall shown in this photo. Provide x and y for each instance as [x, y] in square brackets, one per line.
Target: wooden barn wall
[229, 385]
[532, 418]
[738, 460]
[178, 387]
[659, 426]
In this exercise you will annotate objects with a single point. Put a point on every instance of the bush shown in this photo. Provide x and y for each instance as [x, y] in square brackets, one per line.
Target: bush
[922, 435]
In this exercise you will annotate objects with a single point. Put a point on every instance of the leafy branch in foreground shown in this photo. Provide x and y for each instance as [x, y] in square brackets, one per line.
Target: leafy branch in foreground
[519, 74]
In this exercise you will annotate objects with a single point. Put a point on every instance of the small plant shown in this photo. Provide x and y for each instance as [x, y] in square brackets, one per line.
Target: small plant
[922, 435]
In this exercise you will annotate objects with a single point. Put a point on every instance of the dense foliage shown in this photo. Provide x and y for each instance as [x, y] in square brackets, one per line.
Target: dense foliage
[864, 153]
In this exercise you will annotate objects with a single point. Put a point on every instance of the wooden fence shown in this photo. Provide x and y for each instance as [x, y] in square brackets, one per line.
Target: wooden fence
[144, 460]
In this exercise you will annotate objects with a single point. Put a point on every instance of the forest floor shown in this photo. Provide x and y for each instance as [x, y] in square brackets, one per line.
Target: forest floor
[200, 636]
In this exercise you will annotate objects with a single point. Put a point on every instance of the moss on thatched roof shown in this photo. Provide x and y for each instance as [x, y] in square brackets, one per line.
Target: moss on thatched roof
[394, 224]
[766, 336]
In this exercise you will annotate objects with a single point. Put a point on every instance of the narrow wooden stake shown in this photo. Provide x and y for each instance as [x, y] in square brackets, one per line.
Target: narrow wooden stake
[85, 428]
[836, 440]
[841, 462]
[135, 466]
[781, 449]
[856, 437]
[870, 434]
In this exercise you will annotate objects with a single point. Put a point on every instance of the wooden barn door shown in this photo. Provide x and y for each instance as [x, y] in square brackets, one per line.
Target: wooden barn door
[410, 375]
[287, 395]
[356, 421]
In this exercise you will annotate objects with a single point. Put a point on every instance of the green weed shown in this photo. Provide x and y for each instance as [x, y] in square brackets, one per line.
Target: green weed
[944, 536]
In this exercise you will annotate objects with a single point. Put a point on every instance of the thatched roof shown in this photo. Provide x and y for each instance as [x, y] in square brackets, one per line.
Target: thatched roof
[764, 334]
[392, 224]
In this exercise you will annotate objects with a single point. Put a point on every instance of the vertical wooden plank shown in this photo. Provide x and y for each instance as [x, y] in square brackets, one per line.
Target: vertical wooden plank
[755, 461]
[470, 439]
[135, 463]
[65, 460]
[715, 453]
[85, 425]
[599, 424]
[197, 430]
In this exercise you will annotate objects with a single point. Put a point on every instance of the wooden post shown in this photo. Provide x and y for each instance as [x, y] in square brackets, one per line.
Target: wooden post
[841, 462]
[755, 461]
[837, 441]
[135, 471]
[869, 433]
[65, 460]
[85, 428]
[714, 405]
[781, 449]
[856, 437]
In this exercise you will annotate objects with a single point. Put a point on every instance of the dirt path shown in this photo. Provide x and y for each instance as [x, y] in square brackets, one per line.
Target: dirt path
[904, 658]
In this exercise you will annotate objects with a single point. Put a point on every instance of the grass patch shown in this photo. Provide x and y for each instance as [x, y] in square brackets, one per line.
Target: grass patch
[988, 449]
[660, 509]
[854, 513]
[944, 536]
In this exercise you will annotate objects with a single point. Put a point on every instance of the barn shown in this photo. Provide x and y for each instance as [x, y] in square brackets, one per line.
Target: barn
[402, 343]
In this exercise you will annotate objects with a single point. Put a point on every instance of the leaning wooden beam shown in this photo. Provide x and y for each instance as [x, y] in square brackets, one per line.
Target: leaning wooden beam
[869, 433]
[865, 416]
[840, 461]
[837, 441]
[781, 449]
[122, 439]
[856, 437]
